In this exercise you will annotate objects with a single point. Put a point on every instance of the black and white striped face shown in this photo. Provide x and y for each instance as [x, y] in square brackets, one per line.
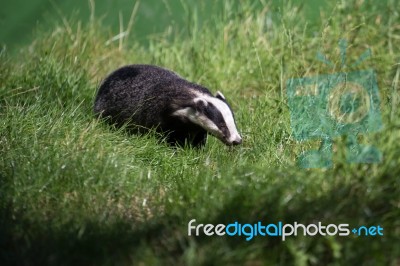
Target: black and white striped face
[214, 115]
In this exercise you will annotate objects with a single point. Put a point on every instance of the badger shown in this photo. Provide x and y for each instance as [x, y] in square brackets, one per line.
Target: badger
[147, 97]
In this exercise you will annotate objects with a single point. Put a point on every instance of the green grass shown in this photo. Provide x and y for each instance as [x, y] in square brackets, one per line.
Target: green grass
[75, 191]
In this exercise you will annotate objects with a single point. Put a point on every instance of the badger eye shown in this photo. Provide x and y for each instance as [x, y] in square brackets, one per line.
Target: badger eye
[223, 130]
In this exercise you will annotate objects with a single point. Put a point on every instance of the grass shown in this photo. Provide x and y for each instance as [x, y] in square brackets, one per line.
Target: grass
[75, 191]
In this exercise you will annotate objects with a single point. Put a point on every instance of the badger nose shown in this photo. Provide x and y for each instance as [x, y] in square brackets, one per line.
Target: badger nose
[237, 141]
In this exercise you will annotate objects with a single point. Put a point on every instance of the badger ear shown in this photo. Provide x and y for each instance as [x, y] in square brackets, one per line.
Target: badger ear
[220, 96]
[200, 103]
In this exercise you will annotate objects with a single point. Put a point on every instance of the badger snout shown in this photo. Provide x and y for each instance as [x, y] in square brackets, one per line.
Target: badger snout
[237, 141]
[234, 141]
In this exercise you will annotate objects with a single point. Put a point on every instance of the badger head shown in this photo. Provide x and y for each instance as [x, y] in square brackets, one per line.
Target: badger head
[214, 115]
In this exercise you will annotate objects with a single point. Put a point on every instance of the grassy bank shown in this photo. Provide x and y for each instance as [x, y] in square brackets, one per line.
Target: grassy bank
[75, 191]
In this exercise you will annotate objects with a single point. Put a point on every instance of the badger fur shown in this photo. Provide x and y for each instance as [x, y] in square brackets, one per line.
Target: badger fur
[150, 97]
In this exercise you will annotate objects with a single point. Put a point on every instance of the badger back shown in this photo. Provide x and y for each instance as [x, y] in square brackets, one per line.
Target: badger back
[136, 93]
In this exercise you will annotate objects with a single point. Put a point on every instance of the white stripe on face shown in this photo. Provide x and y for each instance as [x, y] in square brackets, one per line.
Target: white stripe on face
[226, 114]
[199, 119]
